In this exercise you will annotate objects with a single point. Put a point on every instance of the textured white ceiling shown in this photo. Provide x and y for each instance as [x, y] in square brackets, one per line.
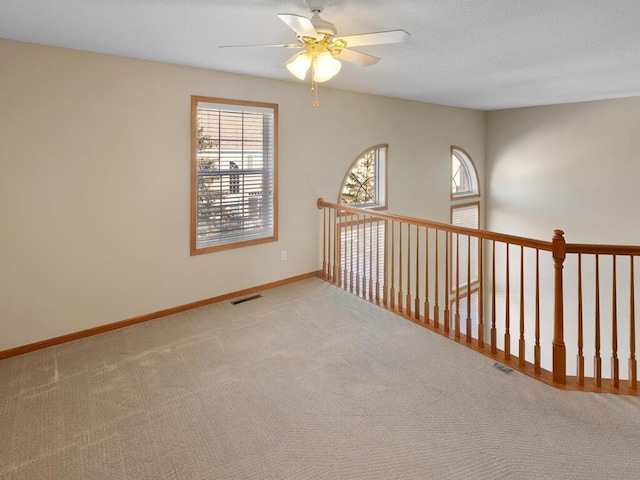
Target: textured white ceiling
[481, 54]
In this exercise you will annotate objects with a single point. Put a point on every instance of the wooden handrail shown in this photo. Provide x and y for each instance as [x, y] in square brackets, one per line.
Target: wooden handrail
[420, 273]
[585, 248]
[483, 234]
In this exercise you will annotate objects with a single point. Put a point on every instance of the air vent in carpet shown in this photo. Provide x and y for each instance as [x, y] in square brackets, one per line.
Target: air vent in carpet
[502, 368]
[246, 299]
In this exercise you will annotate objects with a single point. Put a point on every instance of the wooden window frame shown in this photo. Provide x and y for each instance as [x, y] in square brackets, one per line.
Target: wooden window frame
[194, 248]
[379, 174]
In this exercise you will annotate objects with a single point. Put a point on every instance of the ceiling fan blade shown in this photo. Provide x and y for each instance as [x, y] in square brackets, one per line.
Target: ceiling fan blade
[301, 25]
[281, 45]
[376, 38]
[358, 58]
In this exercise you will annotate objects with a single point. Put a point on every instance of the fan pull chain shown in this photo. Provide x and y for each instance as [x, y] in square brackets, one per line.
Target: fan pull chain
[314, 84]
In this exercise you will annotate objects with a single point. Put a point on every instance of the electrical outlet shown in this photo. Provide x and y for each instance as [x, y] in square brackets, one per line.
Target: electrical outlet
[283, 255]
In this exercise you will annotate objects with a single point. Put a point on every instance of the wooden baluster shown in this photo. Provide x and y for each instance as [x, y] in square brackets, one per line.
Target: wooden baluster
[336, 258]
[480, 296]
[507, 306]
[346, 228]
[633, 365]
[341, 226]
[329, 257]
[385, 267]
[408, 301]
[494, 332]
[338, 253]
[559, 250]
[355, 238]
[348, 248]
[400, 299]
[597, 361]
[436, 279]
[344, 252]
[536, 347]
[456, 324]
[324, 242]
[336, 263]
[392, 293]
[416, 309]
[521, 343]
[615, 372]
[426, 277]
[469, 336]
[447, 285]
[364, 257]
[334, 245]
[378, 261]
[358, 249]
[349, 286]
[370, 259]
[580, 358]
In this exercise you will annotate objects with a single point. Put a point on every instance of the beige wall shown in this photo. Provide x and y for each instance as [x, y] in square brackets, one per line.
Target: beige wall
[94, 182]
[573, 167]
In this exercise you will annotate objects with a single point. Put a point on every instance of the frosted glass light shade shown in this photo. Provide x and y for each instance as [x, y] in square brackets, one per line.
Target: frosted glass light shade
[326, 66]
[299, 65]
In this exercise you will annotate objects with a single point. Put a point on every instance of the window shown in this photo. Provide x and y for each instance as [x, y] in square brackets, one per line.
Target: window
[464, 178]
[234, 172]
[365, 184]
[464, 249]
[362, 250]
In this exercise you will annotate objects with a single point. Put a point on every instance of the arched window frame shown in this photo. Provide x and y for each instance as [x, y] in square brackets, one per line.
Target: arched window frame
[468, 170]
[380, 180]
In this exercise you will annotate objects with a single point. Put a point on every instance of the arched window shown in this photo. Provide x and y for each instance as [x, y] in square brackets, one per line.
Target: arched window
[464, 178]
[365, 184]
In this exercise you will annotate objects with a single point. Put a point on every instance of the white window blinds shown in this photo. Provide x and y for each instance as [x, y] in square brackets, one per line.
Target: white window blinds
[235, 170]
[362, 249]
[464, 248]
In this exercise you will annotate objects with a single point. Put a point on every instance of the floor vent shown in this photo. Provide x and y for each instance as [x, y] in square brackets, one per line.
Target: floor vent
[502, 368]
[246, 299]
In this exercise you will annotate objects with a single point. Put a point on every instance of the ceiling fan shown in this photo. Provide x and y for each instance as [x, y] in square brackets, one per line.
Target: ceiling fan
[322, 48]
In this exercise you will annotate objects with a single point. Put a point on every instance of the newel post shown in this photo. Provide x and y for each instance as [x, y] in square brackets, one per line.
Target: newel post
[559, 349]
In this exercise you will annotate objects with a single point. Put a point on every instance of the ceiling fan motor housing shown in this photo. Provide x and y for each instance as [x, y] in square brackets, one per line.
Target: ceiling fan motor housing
[322, 26]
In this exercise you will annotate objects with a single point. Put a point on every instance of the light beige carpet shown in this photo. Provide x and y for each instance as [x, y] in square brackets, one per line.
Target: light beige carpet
[307, 382]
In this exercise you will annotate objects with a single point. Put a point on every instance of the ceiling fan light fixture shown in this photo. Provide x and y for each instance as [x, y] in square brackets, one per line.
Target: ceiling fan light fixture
[299, 65]
[326, 66]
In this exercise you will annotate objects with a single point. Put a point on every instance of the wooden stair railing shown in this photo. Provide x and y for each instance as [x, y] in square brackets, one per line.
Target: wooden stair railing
[458, 282]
